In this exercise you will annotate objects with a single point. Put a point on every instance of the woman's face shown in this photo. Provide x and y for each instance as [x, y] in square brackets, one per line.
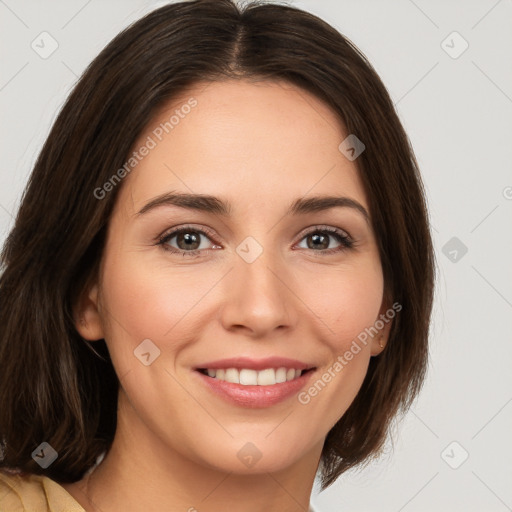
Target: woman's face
[255, 283]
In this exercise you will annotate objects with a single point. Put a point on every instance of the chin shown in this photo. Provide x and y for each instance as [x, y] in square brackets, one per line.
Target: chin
[250, 457]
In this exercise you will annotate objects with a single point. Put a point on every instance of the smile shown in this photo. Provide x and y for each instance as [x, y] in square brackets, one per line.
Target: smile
[249, 377]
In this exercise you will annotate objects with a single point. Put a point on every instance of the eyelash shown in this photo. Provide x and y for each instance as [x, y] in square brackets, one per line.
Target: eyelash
[345, 241]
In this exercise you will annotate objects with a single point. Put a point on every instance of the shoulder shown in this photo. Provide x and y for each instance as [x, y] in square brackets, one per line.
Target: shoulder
[30, 493]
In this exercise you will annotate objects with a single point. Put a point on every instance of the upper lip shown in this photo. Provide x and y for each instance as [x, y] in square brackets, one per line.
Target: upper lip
[255, 364]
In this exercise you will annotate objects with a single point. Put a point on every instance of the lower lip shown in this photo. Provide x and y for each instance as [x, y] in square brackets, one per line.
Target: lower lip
[255, 396]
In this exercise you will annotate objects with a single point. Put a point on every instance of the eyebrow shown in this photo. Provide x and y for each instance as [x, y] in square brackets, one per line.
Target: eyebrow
[217, 206]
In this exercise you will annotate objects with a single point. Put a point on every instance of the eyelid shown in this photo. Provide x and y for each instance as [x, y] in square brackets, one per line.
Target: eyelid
[324, 227]
[170, 232]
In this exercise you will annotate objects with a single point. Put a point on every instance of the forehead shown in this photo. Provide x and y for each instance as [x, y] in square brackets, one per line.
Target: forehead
[251, 142]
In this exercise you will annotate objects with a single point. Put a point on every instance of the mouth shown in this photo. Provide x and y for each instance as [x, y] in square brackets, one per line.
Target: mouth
[250, 377]
[251, 383]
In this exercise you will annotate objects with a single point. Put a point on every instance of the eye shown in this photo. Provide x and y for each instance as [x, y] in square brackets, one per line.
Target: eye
[188, 241]
[318, 240]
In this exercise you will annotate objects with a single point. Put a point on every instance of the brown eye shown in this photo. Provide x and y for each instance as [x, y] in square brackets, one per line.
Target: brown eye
[186, 241]
[320, 239]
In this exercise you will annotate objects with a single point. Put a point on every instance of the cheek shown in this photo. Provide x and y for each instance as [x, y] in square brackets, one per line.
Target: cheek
[138, 304]
[347, 301]
[147, 299]
[349, 304]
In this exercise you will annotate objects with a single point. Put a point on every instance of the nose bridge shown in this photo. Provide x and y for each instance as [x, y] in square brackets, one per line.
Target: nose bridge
[257, 297]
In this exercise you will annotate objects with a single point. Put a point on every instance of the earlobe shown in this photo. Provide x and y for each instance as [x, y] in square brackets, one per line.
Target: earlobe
[87, 316]
[383, 323]
[378, 344]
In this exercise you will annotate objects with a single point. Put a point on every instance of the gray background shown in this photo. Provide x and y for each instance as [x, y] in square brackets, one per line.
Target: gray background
[458, 114]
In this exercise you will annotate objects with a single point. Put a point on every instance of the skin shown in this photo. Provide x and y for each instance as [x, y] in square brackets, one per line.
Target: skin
[259, 145]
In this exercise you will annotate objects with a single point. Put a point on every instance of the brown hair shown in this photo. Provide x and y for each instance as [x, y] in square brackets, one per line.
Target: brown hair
[53, 387]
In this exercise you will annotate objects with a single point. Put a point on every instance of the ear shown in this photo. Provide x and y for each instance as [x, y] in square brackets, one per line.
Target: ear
[87, 316]
[380, 340]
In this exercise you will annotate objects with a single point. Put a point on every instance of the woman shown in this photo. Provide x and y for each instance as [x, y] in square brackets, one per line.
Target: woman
[220, 278]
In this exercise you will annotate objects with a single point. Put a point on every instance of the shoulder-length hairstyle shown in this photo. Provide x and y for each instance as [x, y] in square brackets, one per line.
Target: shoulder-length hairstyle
[53, 387]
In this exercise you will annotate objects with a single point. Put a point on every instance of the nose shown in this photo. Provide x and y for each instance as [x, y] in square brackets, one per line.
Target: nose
[259, 297]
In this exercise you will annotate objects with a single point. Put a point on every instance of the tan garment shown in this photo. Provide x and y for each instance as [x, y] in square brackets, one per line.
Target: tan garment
[34, 493]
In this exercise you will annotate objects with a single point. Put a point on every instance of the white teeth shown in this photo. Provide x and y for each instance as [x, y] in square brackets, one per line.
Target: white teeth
[267, 377]
[247, 377]
[281, 375]
[232, 375]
